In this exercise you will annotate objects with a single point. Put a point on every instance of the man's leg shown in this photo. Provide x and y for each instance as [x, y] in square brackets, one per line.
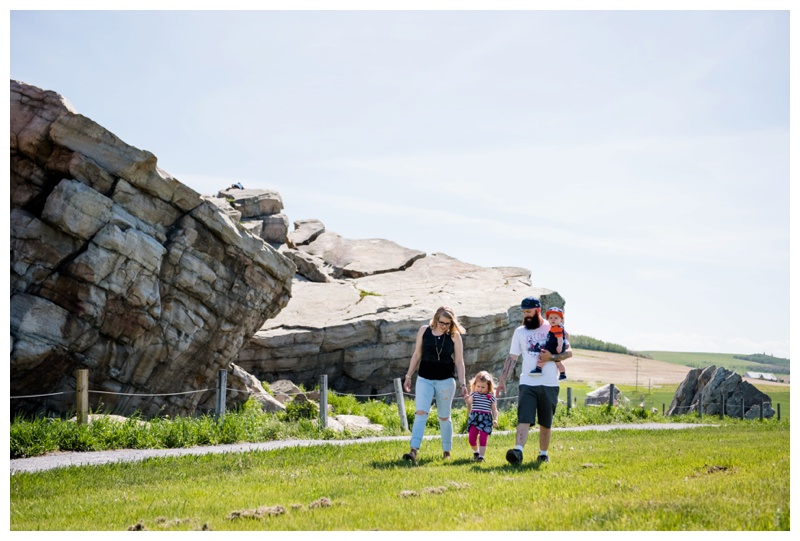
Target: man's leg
[544, 438]
[522, 433]
[548, 401]
[526, 416]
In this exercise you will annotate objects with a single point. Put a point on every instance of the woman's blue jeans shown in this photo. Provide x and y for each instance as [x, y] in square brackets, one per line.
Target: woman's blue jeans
[426, 391]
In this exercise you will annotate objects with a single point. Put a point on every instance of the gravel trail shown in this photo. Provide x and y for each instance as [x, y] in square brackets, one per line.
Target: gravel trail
[66, 459]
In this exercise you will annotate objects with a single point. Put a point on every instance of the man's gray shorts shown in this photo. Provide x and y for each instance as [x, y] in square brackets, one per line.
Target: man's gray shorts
[538, 401]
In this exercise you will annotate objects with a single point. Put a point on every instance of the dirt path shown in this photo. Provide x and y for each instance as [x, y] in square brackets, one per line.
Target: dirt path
[92, 458]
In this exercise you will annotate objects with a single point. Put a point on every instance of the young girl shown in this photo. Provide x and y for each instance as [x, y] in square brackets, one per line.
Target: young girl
[482, 412]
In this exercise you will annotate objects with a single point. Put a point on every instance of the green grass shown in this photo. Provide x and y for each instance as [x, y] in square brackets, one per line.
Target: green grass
[34, 437]
[734, 476]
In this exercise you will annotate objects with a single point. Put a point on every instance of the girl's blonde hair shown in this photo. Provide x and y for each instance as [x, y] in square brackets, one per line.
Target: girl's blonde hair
[482, 376]
[455, 327]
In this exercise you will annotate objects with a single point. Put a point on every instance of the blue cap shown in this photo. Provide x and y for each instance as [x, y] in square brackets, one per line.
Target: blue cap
[530, 302]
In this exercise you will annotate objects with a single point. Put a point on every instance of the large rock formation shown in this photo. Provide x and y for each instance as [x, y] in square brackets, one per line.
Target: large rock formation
[711, 389]
[360, 332]
[118, 267]
[260, 212]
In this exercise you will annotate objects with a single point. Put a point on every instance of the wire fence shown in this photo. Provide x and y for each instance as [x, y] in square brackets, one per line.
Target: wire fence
[230, 389]
[82, 391]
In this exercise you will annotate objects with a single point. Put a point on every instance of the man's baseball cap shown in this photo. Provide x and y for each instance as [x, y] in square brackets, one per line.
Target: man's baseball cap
[530, 302]
[554, 310]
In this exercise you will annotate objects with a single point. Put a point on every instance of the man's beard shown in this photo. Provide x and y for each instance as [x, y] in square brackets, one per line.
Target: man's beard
[533, 322]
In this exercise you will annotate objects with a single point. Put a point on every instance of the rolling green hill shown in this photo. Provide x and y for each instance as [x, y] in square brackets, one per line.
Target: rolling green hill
[739, 363]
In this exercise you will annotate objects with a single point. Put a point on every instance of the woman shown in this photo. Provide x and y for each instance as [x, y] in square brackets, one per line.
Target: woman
[439, 355]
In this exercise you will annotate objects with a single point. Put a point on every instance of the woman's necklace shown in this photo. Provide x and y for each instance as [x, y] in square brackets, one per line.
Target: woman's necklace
[438, 351]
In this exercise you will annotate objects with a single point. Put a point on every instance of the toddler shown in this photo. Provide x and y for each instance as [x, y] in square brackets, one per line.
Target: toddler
[482, 413]
[555, 340]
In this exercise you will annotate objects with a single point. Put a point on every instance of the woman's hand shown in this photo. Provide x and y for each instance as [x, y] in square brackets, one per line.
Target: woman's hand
[407, 384]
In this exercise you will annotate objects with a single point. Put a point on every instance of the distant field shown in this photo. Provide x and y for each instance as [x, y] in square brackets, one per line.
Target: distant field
[654, 381]
[701, 360]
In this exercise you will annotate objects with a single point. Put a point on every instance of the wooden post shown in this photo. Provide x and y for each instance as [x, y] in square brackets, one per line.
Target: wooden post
[762, 411]
[722, 409]
[700, 406]
[222, 384]
[663, 409]
[323, 401]
[779, 411]
[569, 399]
[742, 408]
[611, 396]
[401, 403]
[82, 396]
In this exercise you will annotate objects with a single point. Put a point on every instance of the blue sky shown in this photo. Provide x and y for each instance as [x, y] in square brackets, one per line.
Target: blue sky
[635, 161]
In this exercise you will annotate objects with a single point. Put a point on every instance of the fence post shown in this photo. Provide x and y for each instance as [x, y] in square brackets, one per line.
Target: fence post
[779, 411]
[722, 410]
[82, 396]
[663, 409]
[762, 411]
[700, 407]
[323, 401]
[401, 403]
[569, 399]
[742, 408]
[222, 384]
[611, 396]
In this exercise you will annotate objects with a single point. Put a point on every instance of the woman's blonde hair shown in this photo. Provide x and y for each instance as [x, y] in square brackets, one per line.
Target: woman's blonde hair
[482, 376]
[455, 327]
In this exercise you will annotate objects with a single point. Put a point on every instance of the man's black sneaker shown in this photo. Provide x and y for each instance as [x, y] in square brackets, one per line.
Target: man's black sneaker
[514, 456]
[543, 458]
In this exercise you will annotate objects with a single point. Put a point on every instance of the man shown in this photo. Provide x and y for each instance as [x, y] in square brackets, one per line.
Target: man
[538, 393]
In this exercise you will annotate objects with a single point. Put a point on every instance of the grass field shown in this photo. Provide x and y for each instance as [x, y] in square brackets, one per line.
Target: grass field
[660, 397]
[701, 360]
[700, 478]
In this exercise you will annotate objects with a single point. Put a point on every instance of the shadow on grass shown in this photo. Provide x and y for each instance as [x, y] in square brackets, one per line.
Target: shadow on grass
[421, 462]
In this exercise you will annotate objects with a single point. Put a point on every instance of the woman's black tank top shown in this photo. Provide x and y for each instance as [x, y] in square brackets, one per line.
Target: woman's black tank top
[437, 356]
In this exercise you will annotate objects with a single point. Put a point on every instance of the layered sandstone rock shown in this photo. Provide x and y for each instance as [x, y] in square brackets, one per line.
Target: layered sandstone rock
[360, 332]
[260, 212]
[118, 267]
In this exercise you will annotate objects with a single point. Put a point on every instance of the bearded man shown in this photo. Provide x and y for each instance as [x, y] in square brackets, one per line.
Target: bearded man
[538, 393]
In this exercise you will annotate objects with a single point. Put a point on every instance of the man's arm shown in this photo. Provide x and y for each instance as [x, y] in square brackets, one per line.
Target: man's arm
[508, 369]
[547, 356]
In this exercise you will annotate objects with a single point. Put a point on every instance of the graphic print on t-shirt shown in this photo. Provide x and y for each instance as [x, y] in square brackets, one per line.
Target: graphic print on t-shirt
[533, 344]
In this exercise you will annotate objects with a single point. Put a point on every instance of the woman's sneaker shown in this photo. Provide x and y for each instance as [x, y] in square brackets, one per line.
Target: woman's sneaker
[479, 459]
[411, 456]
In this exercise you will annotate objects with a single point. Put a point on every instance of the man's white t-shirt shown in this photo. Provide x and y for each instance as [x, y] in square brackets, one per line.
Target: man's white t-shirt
[527, 344]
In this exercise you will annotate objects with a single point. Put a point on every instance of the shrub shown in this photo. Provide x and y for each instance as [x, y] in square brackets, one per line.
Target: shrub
[296, 411]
